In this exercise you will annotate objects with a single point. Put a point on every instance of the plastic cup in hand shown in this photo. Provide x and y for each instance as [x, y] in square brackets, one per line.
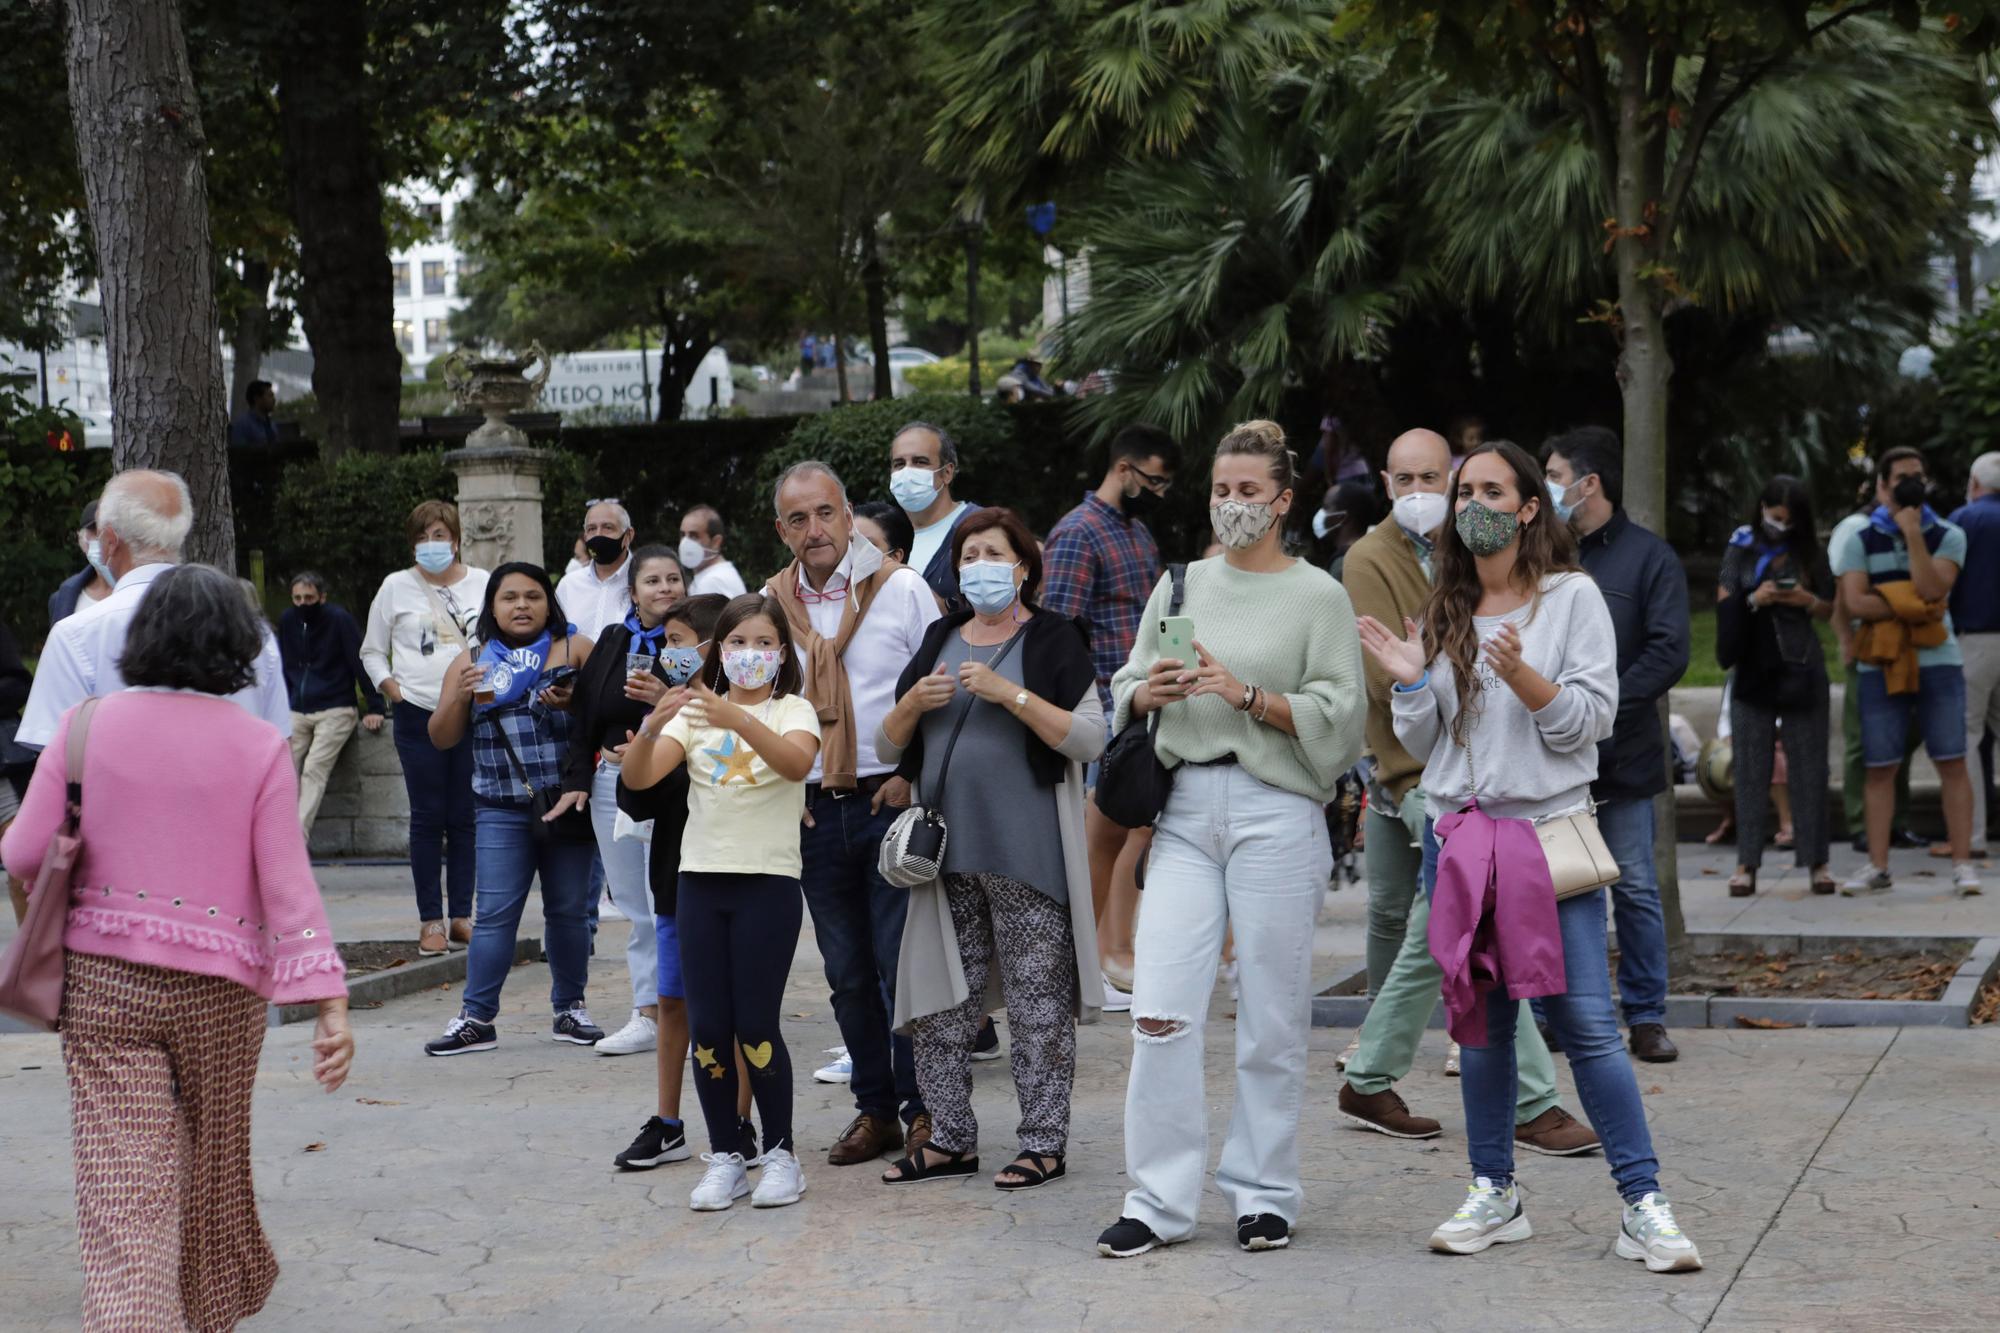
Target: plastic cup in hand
[639, 664]
[482, 693]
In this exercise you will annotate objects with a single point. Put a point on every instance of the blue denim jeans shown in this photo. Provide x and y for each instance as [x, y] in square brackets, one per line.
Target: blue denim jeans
[1587, 1027]
[1635, 909]
[857, 920]
[441, 838]
[510, 857]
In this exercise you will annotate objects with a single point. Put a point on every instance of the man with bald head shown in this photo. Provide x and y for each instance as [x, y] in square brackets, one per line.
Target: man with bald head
[142, 522]
[1388, 576]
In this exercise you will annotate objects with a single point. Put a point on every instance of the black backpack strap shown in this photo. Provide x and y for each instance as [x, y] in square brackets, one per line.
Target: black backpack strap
[1178, 573]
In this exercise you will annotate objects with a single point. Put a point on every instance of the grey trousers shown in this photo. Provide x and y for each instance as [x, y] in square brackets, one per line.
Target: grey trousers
[1754, 733]
[1003, 922]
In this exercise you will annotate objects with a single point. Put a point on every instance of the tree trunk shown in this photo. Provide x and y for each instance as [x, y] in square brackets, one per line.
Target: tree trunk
[334, 172]
[972, 238]
[840, 359]
[1961, 250]
[250, 331]
[139, 142]
[679, 358]
[874, 283]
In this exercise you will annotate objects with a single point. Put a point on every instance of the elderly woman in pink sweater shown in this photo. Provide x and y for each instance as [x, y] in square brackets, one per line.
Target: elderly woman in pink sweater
[193, 907]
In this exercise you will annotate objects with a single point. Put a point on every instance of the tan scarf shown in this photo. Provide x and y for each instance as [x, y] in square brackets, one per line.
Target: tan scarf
[826, 673]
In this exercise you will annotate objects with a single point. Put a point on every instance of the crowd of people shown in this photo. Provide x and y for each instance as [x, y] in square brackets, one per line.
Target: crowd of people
[649, 738]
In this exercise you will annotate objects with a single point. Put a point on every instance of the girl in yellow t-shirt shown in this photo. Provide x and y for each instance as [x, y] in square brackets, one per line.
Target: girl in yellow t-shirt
[748, 753]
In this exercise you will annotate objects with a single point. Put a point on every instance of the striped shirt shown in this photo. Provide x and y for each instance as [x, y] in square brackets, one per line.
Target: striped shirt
[1877, 546]
[1101, 564]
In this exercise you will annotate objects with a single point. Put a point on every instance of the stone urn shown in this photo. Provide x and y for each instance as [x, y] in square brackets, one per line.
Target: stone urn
[493, 386]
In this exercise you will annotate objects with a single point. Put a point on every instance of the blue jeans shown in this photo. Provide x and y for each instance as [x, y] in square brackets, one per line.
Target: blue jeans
[1937, 708]
[440, 787]
[510, 857]
[1635, 908]
[1587, 1026]
[858, 920]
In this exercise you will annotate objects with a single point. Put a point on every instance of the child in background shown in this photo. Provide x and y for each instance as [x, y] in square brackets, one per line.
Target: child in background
[739, 905]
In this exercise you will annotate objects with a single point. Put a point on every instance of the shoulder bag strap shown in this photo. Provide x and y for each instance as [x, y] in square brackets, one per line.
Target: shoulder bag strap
[944, 765]
[520, 769]
[79, 732]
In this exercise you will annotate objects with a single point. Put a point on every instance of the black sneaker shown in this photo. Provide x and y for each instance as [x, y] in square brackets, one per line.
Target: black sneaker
[574, 1025]
[659, 1141]
[464, 1034]
[753, 1148]
[1262, 1231]
[986, 1046]
[1126, 1237]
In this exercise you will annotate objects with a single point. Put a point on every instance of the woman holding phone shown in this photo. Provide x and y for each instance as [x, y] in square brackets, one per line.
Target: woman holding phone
[1260, 714]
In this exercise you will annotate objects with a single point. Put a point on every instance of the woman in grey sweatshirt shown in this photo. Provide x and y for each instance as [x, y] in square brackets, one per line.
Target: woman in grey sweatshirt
[1507, 688]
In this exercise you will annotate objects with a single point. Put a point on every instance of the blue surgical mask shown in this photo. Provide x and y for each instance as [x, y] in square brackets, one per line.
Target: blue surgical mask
[679, 664]
[915, 488]
[1556, 494]
[95, 555]
[988, 585]
[434, 557]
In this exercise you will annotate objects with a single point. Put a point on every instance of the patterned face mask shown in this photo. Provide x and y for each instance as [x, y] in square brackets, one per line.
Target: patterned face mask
[750, 668]
[1486, 531]
[1239, 523]
[680, 664]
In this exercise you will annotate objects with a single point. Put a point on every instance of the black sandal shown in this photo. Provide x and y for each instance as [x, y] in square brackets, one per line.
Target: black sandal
[956, 1167]
[1028, 1166]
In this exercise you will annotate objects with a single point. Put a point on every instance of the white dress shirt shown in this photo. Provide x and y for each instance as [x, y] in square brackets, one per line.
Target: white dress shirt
[717, 576]
[590, 603]
[882, 646]
[81, 659]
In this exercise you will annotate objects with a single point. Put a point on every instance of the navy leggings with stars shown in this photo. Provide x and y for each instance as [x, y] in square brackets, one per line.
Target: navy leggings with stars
[738, 934]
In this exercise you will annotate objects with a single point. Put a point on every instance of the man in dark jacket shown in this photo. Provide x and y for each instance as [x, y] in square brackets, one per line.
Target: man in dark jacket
[1646, 590]
[321, 648]
[89, 585]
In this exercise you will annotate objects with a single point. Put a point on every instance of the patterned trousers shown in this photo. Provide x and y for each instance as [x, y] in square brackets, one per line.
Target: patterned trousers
[1025, 933]
[161, 1065]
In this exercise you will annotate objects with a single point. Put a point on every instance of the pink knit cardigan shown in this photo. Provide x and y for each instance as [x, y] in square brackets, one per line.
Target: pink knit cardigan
[193, 858]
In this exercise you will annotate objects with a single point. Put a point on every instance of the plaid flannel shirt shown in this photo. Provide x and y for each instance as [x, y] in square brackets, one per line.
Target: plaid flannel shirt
[1101, 564]
[541, 737]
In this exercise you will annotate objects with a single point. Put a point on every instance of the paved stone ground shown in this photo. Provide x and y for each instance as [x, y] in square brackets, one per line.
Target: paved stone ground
[1833, 1178]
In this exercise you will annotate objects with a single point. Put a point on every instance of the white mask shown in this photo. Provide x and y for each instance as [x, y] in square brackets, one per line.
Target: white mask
[693, 553]
[1420, 513]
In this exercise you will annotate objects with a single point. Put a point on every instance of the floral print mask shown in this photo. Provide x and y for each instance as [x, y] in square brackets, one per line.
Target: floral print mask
[749, 668]
[1486, 531]
[1239, 523]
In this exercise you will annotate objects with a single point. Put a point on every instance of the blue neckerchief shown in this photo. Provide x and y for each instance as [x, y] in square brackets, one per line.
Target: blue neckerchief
[645, 640]
[516, 670]
[1883, 521]
[1766, 551]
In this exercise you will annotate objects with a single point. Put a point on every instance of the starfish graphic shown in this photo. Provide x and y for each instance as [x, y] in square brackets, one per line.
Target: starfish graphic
[732, 761]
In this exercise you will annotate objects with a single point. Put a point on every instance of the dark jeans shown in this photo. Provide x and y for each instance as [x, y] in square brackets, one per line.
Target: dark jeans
[440, 787]
[737, 937]
[858, 920]
[511, 857]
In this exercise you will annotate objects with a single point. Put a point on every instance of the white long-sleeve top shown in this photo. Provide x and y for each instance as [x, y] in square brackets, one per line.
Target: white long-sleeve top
[404, 638]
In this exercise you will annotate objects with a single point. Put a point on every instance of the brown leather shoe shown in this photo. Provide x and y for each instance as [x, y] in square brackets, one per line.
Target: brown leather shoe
[1557, 1133]
[919, 1132]
[1385, 1113]
[866, 1138]
[461, 931]
[431, 941]
[1650, 1043]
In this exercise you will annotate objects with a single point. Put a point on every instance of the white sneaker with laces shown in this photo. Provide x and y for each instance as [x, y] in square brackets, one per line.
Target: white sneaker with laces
[722, 1184]
[1649, 1232]
[840, 1070]
[1116, 1001]
[1353, 1049]
[1865, 881]
[640, 1034]
[1451, 1061]
[1489, 1216]
[782, 1183]
[1965, 880]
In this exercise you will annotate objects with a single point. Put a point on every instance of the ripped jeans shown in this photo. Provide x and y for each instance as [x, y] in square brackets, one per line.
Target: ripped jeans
[1227, 850]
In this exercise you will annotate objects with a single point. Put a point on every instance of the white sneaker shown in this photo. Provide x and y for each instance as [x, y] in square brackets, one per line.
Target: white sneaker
[1232, 977]
[1353, 1049]
[1489, 1216]
[722, 1184]
[641, 1034]
[1865, 881]
[1965, 880]
[782, 1182]
[1649, 1232]
[1451, 1061]
[607, 910]
[1116, 1001]
[841, 1070]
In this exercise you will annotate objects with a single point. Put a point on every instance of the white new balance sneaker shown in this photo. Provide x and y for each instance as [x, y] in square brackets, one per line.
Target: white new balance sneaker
[640, 1034]
[1489, 1216]
[1649, 1232]
[722, 1184]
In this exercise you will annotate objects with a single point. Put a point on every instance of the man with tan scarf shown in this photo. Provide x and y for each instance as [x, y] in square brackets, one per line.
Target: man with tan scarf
[857, 620]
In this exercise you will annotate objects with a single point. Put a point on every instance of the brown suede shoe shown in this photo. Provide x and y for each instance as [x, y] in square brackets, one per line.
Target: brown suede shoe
[866, 1138]
[1557, 1133]
[1385, 1113]
[431, 942]
[919, 1132]
[1650, 1043]
[461, 931]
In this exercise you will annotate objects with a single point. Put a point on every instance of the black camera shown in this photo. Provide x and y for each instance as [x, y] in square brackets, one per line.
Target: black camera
[1910, 492]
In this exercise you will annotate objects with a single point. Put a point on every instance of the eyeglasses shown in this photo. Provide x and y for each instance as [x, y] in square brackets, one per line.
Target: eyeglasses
[602, 500]
[1157, 485]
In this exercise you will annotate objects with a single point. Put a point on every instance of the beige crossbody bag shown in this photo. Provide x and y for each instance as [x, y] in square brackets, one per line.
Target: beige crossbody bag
[1579, 859]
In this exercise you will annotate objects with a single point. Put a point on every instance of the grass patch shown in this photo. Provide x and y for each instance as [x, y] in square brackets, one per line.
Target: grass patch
[1702, 669]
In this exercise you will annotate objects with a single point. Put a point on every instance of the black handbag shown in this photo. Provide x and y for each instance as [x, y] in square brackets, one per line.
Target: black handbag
[572, 825]
[1132, 783]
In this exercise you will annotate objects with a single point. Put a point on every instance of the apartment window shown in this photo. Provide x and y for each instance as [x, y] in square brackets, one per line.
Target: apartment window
[432, 214]
[405, 335]
[433, 335]
[466, 268]
[402, 274]
[433, 277]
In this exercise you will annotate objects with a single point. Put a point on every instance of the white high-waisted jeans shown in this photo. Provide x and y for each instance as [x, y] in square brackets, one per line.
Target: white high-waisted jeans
[1228, 849]
[625, 877]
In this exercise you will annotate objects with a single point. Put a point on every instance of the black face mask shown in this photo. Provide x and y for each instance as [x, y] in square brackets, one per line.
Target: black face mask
[604, 550]
[309, 612]
[1142, 504]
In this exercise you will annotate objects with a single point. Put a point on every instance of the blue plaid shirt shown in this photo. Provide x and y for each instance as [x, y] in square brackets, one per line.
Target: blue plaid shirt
[1102, 564]
[541, 737]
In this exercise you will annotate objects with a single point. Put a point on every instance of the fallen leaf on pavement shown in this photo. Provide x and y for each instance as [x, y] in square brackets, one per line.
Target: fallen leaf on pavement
[1746, 1021]
[1656, 1088]
[315, 1147]
[375, 1101]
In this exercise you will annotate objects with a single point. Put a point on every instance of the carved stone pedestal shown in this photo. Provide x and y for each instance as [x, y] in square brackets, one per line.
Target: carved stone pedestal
[499, 503]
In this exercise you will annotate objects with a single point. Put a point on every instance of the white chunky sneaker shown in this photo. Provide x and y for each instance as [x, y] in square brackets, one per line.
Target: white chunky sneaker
[1489, 1216]
[1865, 881]
[782, 1182]
[722, 1184]
[1965, 880]
[1649, 1232]
[640, 1034]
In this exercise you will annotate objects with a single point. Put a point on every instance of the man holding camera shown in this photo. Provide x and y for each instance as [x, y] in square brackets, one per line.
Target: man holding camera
[1896, 574]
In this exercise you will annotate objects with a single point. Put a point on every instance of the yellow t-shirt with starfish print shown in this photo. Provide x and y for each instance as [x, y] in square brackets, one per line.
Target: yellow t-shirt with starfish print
[743, 819]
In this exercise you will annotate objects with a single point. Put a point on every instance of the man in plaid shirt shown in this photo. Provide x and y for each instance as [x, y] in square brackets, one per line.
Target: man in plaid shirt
[1102, 564]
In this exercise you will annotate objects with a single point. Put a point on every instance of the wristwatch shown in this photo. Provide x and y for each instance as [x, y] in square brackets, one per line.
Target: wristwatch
[1020, 702]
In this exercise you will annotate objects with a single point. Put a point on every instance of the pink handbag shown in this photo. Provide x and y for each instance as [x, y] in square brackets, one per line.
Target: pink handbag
[31, 973]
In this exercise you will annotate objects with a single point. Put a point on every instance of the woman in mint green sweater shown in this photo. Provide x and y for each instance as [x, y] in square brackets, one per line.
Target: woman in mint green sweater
[1257, 728]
